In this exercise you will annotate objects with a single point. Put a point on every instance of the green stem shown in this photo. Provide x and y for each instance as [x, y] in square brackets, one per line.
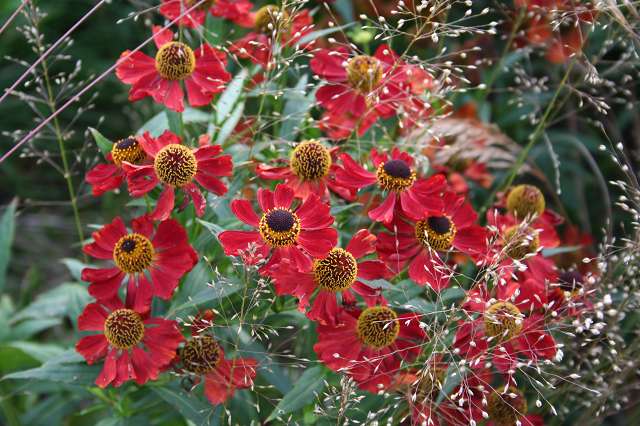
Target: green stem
[61, 146]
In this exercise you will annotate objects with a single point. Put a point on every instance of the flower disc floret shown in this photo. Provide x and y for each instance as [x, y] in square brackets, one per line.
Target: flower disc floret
[378, 327]
[502, 320]
[133, 253]
[395, 175]
[525, 200]
[364, 73]
[504, 410]
[436, 232]
[175, 61]
[128, 150]
[310, 161]
[336, 272]
[124, 328]
[175, 165]
[279, 227]
[268, 18]
[520, 243]
[201, 354]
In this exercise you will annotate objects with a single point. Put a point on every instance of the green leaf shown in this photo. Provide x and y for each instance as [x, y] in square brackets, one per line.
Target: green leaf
[296, 108]
[339, 209]
[68, 368]
[189, 406]
[7, 231]
[230, 124]
[39, 351]
[548, 252]
[75, 267]
[103, 143]
[345, 9]
[321, 33]
[175, 121]
[160, 122]
[56, 303]
[230, 96]
[305, 391]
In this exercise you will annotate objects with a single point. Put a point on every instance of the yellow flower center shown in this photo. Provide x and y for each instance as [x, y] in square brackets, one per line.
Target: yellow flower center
[279, 227]
[519, 243]
[364, 73]
[429, 383]
[175, 61]
[436, 232]
[133, 253]
[201, 354]
[270, 18]
[310, 160]
[395, 175]
[128, 150]
[378, 327]
[505, 409]
[337, 271]
[525, 200]
[502, 321]
[175, 165]
[124, 328]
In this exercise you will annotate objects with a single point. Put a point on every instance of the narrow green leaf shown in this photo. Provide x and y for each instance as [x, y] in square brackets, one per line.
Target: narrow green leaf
[7, 231]
[175, 121]
[77, 372]
[230, 123]
[305, 391]
[189, 406]
[321, 33]
[103, 143]
[296, 108]
[230, 96]
[55, 303]
[74, 266]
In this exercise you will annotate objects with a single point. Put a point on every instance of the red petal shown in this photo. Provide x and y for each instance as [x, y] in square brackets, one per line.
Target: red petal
[233, 241]
[243, 211]
[384, 212]
[165, 204]
[108, 373]
[362, 244]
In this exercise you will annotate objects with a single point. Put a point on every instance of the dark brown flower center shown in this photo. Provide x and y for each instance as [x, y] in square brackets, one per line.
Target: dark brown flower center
[571, 280]
[133, 253]
[175, 165]
[310, 161]
[337, 271]
[124, 328]
[364, 73]
[395, 175]
[175, 61]
[436, 232]
[378, 327]
[128, 150]
[279, 227]
[201, 354]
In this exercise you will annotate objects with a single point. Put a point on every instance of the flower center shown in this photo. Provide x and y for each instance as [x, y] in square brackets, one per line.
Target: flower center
[337, 271]
[175, 165]
[175, 61]
[506, 410]
[429, 384]
[436, 232]
[279, 227]
[503, 321]
[269, 18]
[364, 73]
[310, 160]
[570, 280]
[133, 253]
[378, 327]
[201, 354]
[520, 243]
[525, 200]
[128, 150]
[208, 4]
[124, 328]
[395, 175]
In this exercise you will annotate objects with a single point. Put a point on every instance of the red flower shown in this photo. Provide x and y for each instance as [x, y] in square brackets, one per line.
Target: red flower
[176, 166]
[363, 87]
[311, 170]
[271, 26]
[203, 72]
[418, 244]
[134, 345]
[237, 11]
[340, 126]
[282, 232]
[407, 194]
[107, 177]
[203, 356]
[337, 272]
[370, 345]
[504, 329]
[151, 260]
